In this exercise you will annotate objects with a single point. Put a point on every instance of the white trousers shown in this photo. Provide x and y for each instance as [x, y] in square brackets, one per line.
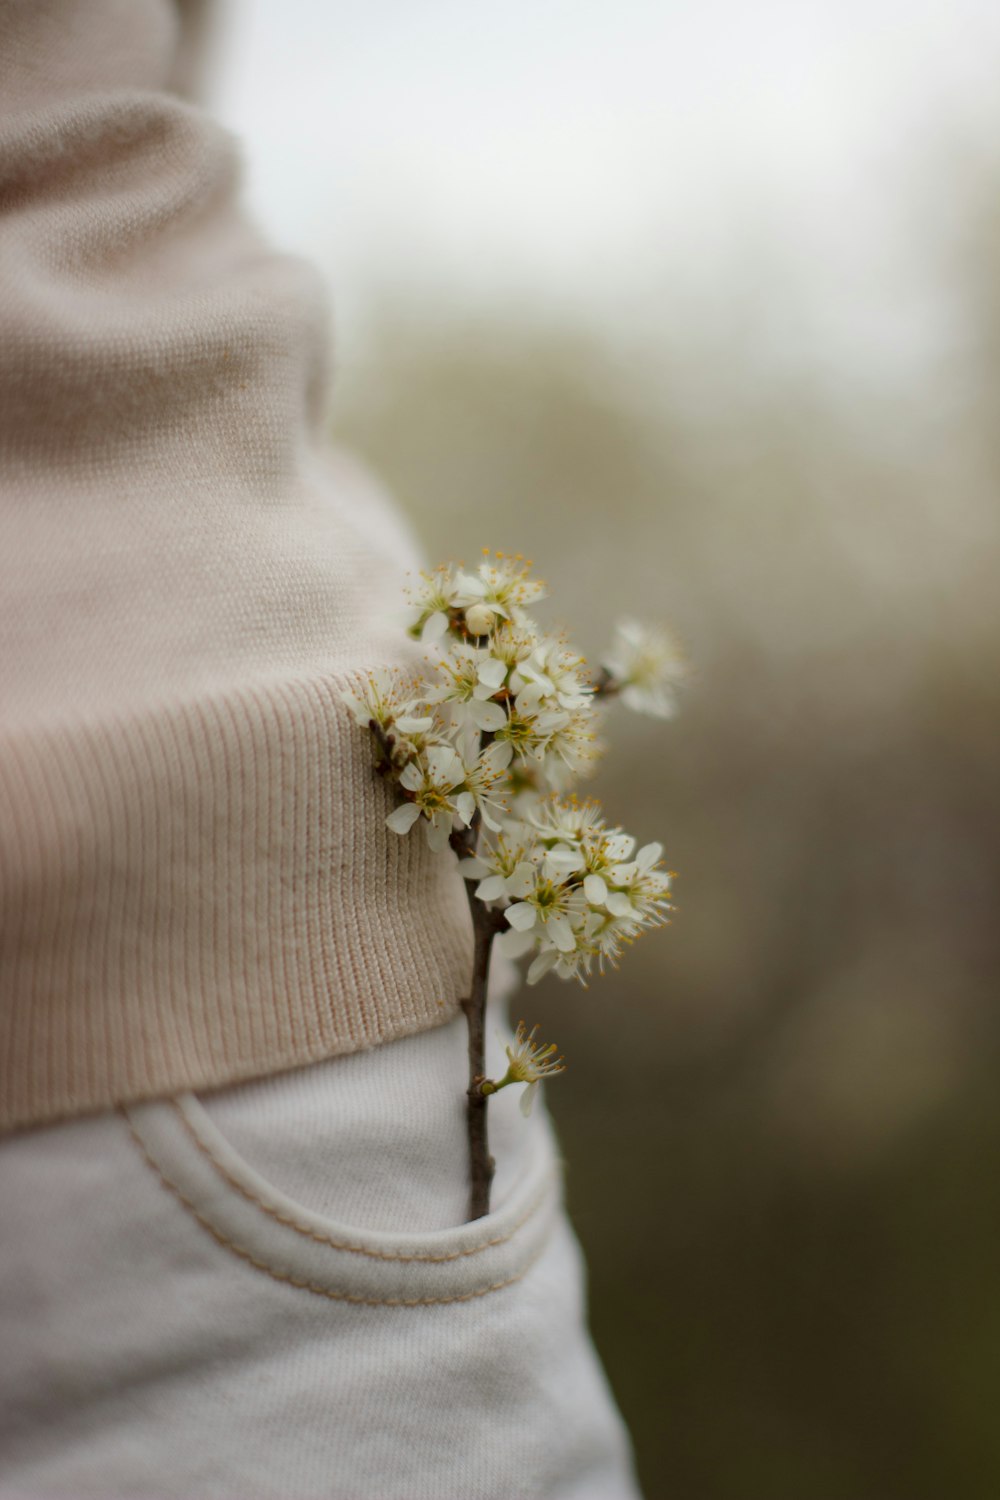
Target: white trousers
[269, 1291]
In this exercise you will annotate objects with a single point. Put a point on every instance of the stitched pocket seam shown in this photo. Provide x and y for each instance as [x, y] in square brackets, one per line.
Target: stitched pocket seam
[310, 1286]
[290, 1222]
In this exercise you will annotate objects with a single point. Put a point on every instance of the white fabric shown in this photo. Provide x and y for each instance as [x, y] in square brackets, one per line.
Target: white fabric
[269, 1292]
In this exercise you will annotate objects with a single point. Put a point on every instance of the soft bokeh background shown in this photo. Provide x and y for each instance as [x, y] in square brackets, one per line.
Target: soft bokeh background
[700, 305]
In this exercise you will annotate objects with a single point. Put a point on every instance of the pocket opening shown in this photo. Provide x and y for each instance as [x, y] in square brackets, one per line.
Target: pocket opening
[260, 1224]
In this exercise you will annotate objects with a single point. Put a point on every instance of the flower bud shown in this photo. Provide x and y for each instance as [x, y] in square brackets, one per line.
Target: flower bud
[479, 619]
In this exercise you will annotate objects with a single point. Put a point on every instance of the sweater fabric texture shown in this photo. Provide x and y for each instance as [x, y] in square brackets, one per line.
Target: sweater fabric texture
[196, 883]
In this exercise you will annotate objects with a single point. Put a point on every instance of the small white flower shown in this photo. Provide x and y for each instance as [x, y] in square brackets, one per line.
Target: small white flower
[513, 644]
[646, 665]
[571, 749]
[469, 678]
[528, 1062]
[506, 867]
[430, 601]
[500, 590]
[528, 730]
[567, 820]
[381, 695]
[482, 777]
[638, 892]
[581, 827]
[551, 674]
[431, 781]
[575, 965]
[552, 910]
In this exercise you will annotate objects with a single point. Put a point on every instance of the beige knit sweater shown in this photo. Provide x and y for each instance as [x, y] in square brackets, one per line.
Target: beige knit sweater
[196, 884]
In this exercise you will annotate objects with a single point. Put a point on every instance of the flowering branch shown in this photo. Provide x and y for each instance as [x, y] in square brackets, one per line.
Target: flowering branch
[484, 754]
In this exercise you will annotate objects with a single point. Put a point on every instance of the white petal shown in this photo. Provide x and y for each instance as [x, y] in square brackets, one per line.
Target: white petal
[521, 916]
[413, 726]
[619, 905]
[528, 699]
[412, 777]
[473, 868]
[522, 882]
[564, 861]
[435, 627]
[439, 832]
[492, 888]
[468, 589]
[465, 806]
[595, 890]
[514, 944]
[444, 765]
[648, 855]
[499, 756]
[402, 819]
[360, 713]
[561, 934]
[487, 715]
[528, 1098]
[493, 672]
[540, 966]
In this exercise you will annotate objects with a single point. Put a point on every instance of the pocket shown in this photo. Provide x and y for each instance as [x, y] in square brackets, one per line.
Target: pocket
[252, 1219]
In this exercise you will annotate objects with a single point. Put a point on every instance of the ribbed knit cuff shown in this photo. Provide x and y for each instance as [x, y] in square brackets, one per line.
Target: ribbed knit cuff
[205, 892]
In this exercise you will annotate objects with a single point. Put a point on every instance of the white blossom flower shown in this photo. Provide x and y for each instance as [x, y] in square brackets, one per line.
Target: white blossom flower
[469, 679]
[645, 666]
[574, 965]
[482, 777]
[384, 697]
[552, 909]
[513, 644]
[580, 825]
[528, 1062]
[551, 674]
[431, 781]
[567, 820]
[638, 892]
[528, 730]
[504, 868]
[607, 936]
[571, 749]
[431, 601]
[499, 590]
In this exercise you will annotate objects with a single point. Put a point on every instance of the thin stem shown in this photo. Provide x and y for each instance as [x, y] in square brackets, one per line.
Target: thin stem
[486, 923]
[481, 1164]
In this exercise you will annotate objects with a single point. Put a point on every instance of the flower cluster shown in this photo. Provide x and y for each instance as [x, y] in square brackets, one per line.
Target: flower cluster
[493, 738]
[572, 890]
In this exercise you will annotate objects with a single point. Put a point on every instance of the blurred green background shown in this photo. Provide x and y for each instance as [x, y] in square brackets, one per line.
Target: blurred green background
[699, 306]
[781, 1117]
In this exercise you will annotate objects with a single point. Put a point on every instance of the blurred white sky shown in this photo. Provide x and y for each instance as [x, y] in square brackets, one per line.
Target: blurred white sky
[620, 160]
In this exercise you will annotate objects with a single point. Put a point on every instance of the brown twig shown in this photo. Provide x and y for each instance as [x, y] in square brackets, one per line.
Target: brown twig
[481, 1164]
[486, 923]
